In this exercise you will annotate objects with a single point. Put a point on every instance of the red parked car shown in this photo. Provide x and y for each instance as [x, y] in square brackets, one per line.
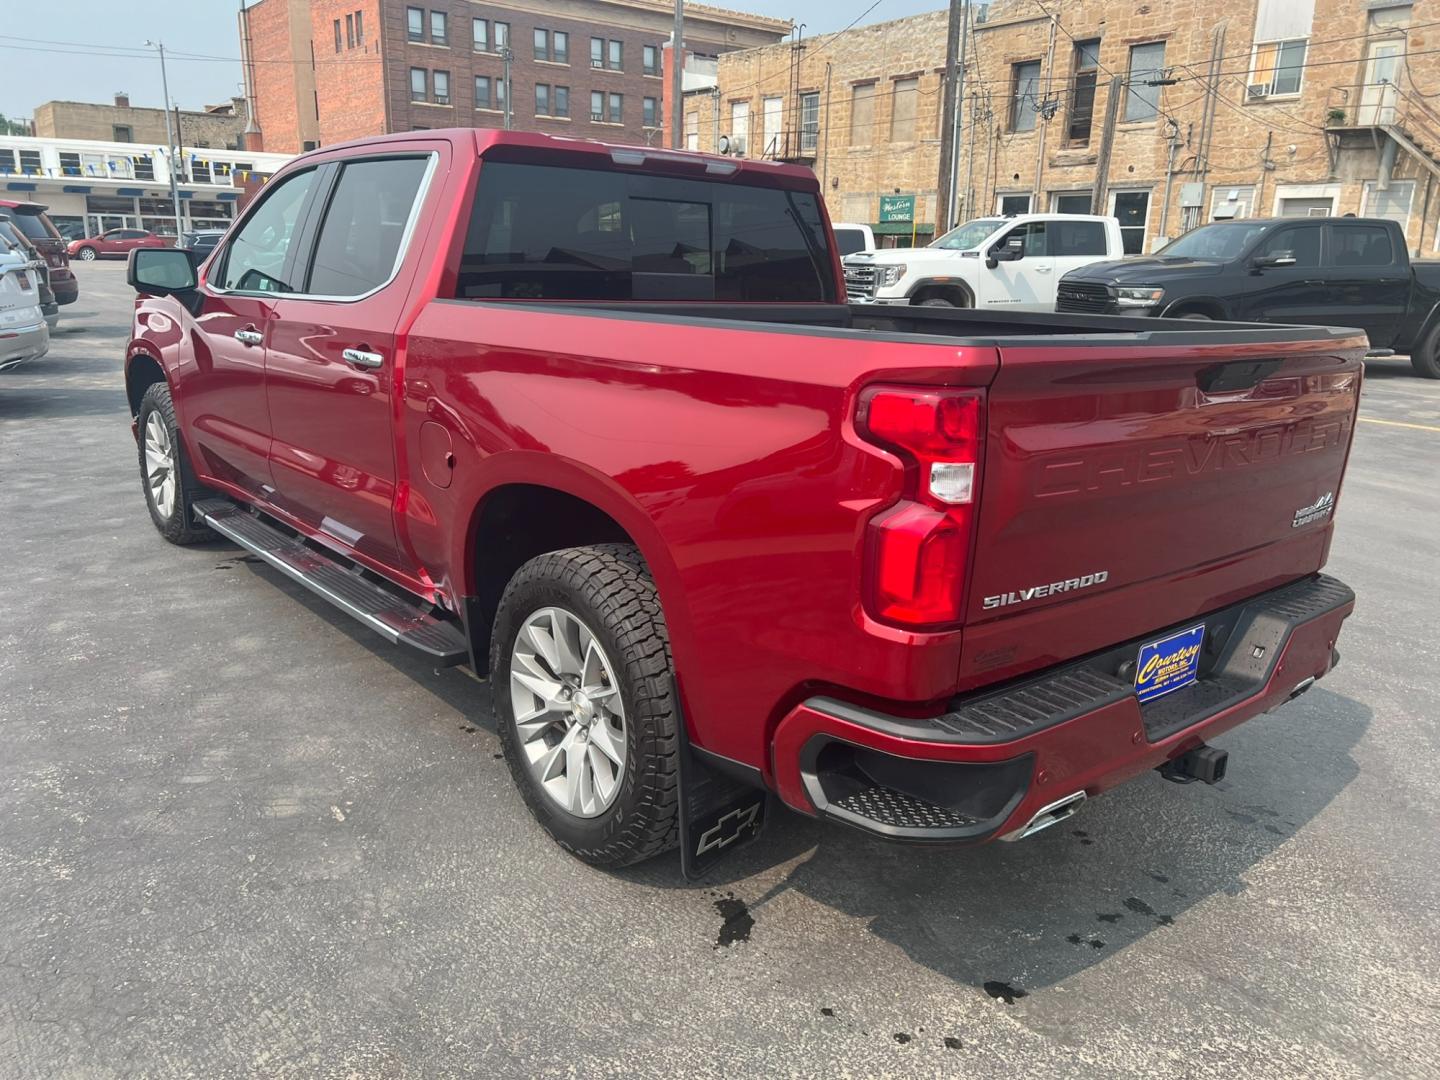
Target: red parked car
[116, 242]
[597, 421]
[31, 219]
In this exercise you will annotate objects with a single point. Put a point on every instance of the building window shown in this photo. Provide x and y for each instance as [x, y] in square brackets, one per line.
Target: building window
[359, 28]
[69, 163]
[560, 47]
[417, 84]
[597, 106]
[739, 127]
[1147, 64]
[542, 44]
[415, 24]
[1133, 210]
[482, 92]
[561, 105]
[617, 56]
[1276, 69]
[542, 99]
[144, 167]
[337, 35]
[649, 113]
[480, 31]
[617, 108]
[1013, 204]
[500, 92]
[502, 36]
[597, 52]
[1082, 92]
[350, 30]
[692, 131]
[442, 87]
[862, 114]
[809, 122]
[650, 57]
[439, 32]
[1024, 95]
[122, 133]
[904, 98]
[1070, 202]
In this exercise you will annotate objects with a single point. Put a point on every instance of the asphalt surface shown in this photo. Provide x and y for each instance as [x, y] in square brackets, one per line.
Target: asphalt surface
[240, 836]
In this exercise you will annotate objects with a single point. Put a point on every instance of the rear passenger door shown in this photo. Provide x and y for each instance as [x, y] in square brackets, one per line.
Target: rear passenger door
[330, 371]
[1368, 282]
[1073, 244]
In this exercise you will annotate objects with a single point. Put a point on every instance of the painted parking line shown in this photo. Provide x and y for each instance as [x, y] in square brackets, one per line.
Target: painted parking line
[1399, 423]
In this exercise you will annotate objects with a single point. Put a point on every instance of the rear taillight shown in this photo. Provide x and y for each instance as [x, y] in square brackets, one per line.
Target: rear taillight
[918, 550]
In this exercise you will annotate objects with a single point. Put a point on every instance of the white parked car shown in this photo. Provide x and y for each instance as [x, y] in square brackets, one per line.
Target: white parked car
[993, 262]
[23, 333]
[852, 239]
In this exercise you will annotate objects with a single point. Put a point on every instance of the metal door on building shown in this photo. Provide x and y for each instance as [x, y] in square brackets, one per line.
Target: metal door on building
[1378, 93]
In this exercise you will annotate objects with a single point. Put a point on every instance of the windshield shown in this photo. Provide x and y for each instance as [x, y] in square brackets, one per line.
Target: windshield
[1224, 240]
[970, 235]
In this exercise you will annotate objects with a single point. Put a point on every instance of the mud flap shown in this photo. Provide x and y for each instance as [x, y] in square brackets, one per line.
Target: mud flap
[719, 815]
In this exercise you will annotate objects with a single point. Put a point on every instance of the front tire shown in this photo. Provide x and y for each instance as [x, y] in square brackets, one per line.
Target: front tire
[87, 254]
[165, 474]
[583, 692]
[1426, 359]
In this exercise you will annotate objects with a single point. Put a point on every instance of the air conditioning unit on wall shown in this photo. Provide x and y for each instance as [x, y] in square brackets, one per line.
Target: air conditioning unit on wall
[1257, 90]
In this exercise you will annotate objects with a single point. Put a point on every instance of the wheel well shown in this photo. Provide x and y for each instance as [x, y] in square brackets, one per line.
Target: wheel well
[514, 524]
[956, 293]
[143, 373]
[1195, 307]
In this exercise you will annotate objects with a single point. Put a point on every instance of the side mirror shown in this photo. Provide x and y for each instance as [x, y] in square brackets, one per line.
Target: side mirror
[161, 271]
[1280, 258]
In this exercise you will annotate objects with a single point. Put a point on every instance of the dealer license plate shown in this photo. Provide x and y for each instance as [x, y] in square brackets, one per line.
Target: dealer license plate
[1168, 664]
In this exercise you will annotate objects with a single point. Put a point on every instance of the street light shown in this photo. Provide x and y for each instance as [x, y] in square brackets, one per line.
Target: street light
[169, 137]
[506, 55]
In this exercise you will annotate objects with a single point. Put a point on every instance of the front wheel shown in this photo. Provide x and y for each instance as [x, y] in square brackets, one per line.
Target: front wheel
[87, 254]
[584, 702]
[169, 483]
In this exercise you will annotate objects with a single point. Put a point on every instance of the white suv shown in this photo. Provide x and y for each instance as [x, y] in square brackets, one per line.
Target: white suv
[993, 262]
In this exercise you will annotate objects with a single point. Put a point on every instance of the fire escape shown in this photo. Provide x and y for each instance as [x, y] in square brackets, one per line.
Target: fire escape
[795, 141]
[1379, 115]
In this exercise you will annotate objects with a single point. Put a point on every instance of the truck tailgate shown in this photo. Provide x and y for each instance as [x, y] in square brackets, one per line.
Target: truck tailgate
[1128, 487]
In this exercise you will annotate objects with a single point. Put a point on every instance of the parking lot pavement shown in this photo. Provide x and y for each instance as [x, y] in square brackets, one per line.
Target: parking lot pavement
[240, 836]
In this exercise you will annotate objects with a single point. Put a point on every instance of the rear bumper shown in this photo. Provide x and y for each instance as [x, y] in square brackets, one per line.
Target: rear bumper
[23, 343]
[993, 761]
[65, 286]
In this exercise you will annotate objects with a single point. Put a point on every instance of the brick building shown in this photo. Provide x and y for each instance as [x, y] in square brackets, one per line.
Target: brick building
[323, 71]
[218, 126]
[1166, 115]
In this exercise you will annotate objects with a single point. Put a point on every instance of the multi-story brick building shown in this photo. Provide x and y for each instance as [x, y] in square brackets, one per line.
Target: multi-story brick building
[218, 126]
[1166, 115]
[577, 67]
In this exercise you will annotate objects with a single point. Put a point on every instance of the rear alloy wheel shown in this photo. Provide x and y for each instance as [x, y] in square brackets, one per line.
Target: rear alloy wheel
[584, 699]
[87, 254]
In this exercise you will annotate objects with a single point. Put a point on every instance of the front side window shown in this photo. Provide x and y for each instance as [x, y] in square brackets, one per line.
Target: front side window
[364, 225]
[1359, 245]
[632, 237]
[1276, 69]
[1024, 95]
[439, 34]
[417, 84]
[1147, 65]
[255, 258]
[1223, 241]
[1302, 245]
[415, 24]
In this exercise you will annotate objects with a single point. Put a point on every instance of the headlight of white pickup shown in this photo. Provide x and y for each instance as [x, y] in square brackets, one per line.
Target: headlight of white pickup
[891, 275]
[1141, 297]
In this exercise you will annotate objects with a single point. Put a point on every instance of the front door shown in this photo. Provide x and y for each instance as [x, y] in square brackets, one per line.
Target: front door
[330, 366]
[223, 398]
[1024, 284]
[1378, 94]
[1287, 294]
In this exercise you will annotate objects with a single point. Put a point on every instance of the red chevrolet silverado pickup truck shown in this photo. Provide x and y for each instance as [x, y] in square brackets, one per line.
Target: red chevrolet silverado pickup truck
[597, 421]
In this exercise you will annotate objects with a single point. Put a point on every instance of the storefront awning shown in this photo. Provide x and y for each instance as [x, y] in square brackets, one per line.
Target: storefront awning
[227, 196]
[901, 228]
[77, 189]
[18, 185]
[131, 191]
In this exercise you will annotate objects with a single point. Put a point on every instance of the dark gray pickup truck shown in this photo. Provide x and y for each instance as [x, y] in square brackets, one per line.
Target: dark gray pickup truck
[1309, 271]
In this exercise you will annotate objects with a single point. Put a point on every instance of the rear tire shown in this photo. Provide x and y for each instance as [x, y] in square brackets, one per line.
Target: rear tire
[1196, 315]
[604, 595]
[165, 475]
[1426, 359]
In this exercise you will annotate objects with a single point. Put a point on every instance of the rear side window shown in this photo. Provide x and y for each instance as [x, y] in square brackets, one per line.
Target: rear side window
[1077, 238]
[1360, 245]
[1303, 244]
[364, 226]
[543, 232]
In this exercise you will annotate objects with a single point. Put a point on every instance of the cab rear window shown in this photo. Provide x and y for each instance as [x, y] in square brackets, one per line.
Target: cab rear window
[542, 232]
[35, 226]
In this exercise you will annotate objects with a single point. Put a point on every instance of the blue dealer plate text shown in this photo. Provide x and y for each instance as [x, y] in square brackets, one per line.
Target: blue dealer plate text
[1168, 664]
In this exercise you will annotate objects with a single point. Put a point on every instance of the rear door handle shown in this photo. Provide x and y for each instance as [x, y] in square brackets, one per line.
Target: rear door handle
[249, 336]
[362, 359]
[1043, 269]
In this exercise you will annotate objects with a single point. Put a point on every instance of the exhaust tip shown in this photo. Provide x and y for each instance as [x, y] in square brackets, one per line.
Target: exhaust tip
[1050, 814]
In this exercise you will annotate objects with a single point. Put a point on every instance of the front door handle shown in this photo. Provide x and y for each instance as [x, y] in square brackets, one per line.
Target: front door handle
[249, 336]
[362, 359]
[1043, 269]
[1315, 281]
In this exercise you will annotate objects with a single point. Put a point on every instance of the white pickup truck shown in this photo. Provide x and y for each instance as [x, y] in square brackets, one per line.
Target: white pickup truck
[992, 262]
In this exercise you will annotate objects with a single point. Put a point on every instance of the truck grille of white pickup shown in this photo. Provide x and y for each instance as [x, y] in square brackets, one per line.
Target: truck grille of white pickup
[860, 281]
[1082, 297]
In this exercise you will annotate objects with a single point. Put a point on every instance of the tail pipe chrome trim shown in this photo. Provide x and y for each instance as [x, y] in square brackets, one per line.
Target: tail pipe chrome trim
[1050, 814]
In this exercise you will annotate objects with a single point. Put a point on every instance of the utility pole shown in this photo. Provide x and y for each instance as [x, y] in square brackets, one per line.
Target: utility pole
[169, 138]
[1118, 87]
[677, 81]
[506, 55]
[970, 158]
[950, 114]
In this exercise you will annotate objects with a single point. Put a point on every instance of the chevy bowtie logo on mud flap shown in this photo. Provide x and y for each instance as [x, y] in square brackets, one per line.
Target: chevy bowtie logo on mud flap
[729, 828]
[1319, 510]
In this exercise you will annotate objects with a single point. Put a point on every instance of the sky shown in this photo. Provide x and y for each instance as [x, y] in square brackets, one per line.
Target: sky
[74, 50]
